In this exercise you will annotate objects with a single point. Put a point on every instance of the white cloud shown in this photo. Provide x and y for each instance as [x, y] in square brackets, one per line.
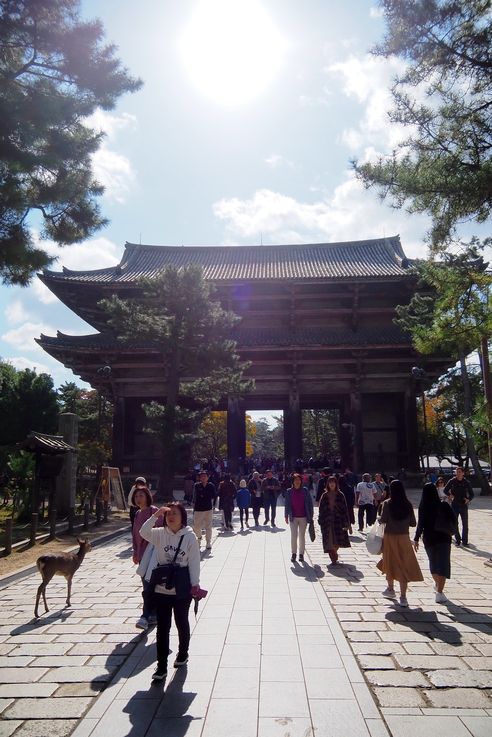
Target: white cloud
[21, 363]
[274, 161]
[111, 124]
[97, 253]
[349, 213]
[22, 338]
[368, 79]
[114, 172]
[42, 293]
[376, 12]
[15, 312]
[112, 169]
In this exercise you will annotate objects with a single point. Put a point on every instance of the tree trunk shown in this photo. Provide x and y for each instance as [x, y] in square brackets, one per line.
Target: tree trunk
[487, 388]
[470, 443]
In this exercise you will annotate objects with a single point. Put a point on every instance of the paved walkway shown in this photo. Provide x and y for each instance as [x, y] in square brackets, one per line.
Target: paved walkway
[278, 649]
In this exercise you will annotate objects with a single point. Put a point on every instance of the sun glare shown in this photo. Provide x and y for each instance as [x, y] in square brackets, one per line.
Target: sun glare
[232, 50]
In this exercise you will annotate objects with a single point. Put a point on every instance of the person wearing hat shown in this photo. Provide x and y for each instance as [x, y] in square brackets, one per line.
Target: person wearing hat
[243, 499]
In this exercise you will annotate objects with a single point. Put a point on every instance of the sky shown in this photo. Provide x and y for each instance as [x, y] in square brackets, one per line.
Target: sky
[243, 133]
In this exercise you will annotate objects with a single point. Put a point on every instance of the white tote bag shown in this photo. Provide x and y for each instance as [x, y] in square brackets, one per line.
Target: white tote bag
[374, 538]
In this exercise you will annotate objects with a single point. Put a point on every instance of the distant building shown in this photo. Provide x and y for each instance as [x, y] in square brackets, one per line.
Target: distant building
[317, 326]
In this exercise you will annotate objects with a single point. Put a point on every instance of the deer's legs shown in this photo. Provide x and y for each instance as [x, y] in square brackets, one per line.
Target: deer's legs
[41, 590]
[69, 590]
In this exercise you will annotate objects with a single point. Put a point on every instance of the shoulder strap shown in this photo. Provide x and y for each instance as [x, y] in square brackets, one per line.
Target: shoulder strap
[177, 549]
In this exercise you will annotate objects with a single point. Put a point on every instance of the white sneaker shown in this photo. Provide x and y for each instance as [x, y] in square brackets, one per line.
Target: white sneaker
[440, 598]
[389, 593]
[142, 624]
[403, 601]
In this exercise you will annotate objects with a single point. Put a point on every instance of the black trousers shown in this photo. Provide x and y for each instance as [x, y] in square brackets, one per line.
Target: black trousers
[165, 605]
[461, 510]
[369, 509]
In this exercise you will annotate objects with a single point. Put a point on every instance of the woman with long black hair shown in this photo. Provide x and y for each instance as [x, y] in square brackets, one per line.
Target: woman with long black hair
[437, 523]
[399, 561]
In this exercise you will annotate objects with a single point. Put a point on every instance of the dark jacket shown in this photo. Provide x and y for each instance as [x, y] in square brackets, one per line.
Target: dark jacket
[337, 519]
[428, 515]
[461, 490]
[204, 497]
[227, 494]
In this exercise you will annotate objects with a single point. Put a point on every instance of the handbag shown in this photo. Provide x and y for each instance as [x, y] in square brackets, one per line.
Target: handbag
[445, 520]
[312, 533]
[374, 538]
[172, 576]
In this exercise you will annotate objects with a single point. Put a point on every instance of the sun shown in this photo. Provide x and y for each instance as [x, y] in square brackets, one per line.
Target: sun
[232, 50]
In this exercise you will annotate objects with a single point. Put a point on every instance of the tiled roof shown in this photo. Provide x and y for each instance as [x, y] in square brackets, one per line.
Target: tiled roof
[248, 338]
[39, 441]
[380, 257]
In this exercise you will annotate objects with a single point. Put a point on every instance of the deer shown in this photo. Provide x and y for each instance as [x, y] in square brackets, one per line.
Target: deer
[62, 564]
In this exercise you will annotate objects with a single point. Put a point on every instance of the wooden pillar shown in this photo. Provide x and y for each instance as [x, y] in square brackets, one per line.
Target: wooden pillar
[357, 438]
[346, 435]
[63, 497]
[293, 431]
[412, 432]
[236, 434]
[118, 432]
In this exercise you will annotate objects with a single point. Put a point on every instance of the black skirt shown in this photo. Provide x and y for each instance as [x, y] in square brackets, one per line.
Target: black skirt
[439, 559]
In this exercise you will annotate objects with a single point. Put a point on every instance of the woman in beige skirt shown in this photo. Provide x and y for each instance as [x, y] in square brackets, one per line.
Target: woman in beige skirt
[399, 561]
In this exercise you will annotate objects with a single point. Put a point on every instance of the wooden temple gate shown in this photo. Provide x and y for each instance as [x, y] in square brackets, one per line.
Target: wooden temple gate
[316, 325]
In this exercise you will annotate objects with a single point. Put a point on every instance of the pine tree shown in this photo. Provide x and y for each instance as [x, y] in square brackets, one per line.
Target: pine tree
[55, 71]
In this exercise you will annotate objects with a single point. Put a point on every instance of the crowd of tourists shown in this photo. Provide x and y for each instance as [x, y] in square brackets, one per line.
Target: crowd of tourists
[167, 550]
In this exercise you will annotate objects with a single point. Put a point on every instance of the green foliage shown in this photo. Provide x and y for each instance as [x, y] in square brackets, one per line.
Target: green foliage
[95, 415]
[453, 313]
[268, 442]
[444, 167]
[27, 402]
[55, 71]
[176, 316]
[20, 466]
[319, 432]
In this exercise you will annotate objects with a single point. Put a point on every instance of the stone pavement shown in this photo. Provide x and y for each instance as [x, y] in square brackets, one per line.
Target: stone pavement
[278, 649]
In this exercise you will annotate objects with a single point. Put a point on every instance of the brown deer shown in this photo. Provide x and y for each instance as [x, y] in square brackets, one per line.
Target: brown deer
[62, 564]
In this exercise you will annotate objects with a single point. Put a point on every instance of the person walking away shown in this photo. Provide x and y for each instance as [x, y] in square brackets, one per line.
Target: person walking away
[227, 496]
[349, 494]
[270, 487]
[436, 524]
[462, 494]
[333, 519]
[173, 536]
[204, 497]
[364, 500]
[380, 492]
[243, 499]
[325, 473]
[399, 561]
[141, 499]
[254, 485]
[298, 513]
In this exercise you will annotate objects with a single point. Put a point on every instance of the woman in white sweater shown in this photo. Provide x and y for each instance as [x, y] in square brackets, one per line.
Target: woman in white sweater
[175, 535]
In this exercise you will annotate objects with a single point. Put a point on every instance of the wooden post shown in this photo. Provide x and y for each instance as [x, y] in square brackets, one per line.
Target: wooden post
[236, 434]
[86, 516]
[8, 535]
[52, 524]
[71, 520]
[34, 529]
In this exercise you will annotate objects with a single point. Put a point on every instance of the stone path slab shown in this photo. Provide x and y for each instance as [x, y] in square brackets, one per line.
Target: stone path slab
[278, 648]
